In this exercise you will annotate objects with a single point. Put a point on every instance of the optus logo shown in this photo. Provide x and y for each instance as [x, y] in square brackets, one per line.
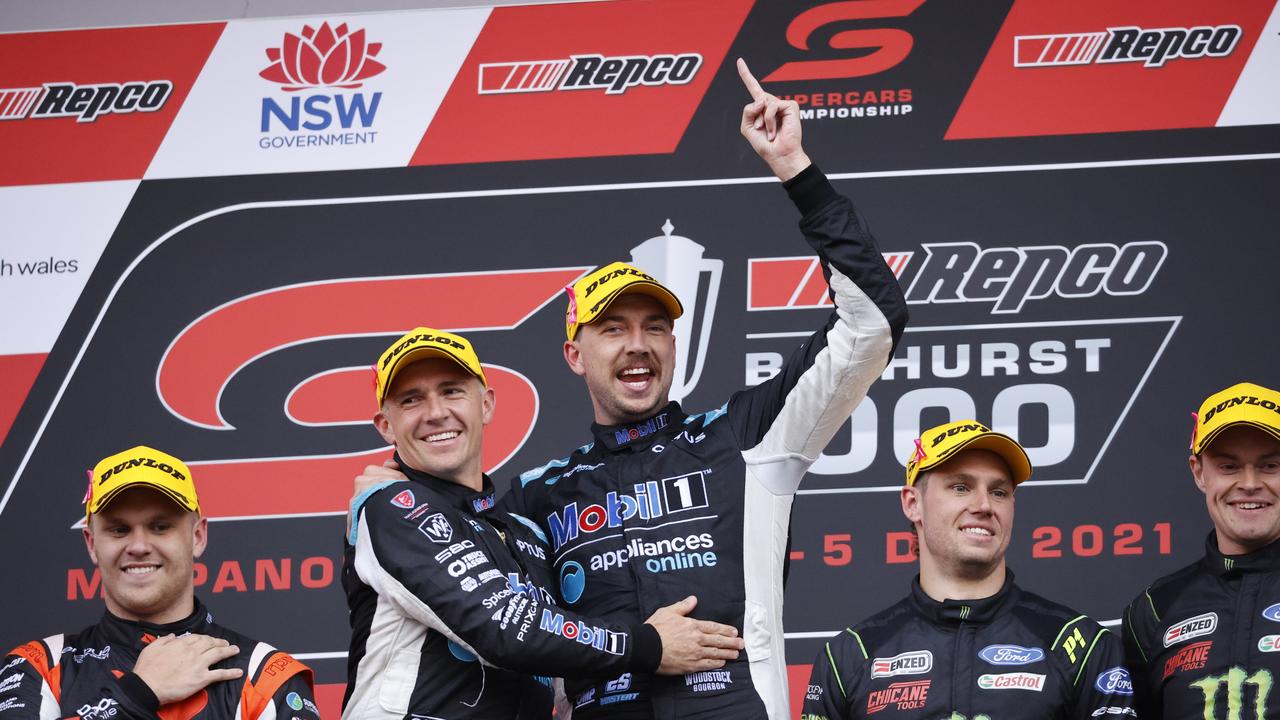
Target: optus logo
[323, 57]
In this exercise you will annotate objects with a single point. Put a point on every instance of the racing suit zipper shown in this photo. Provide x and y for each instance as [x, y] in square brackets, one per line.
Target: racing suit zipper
[958, 685]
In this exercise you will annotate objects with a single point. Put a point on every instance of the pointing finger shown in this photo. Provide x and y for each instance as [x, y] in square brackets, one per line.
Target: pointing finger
[749, 80]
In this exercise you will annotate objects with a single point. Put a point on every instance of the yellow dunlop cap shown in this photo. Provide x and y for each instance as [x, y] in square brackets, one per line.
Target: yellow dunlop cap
[592, 294]
[140, 466]
[419, 343]
[1242, 404]
[937, 445]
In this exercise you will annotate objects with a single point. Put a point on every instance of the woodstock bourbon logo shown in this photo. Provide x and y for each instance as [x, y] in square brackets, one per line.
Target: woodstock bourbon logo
[324, 57]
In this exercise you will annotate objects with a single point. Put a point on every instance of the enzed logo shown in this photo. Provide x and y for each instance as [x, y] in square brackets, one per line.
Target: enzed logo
[614, 75]
[1151, 47]
[1191, 628]
[85, 102]
[916, 662]
[321, 58]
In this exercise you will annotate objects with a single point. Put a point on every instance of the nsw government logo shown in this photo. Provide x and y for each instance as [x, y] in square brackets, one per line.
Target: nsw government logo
[311, 68]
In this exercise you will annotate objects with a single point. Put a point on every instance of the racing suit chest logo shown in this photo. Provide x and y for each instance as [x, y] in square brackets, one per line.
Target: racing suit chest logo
[1191, 628]
[651, 500]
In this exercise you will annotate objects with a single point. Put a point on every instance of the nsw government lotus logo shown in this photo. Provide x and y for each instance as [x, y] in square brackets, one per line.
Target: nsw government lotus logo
[308, 63]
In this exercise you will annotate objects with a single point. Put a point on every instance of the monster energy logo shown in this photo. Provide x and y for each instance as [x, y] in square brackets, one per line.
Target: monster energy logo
[1234, 680]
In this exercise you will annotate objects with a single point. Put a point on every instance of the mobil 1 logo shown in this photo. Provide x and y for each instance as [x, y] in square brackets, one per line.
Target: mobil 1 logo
[1062, 388]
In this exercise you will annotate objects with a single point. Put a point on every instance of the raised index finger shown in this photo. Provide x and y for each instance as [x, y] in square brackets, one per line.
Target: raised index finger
[749, 80]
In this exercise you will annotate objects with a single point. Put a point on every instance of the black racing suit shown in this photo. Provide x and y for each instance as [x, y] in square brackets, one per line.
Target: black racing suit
[1204, 642]
[442, 588]
[676, 505]
[89, 675]
[1010, 656]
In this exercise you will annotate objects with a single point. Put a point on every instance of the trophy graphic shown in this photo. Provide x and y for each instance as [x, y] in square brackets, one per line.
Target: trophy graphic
[678, 263]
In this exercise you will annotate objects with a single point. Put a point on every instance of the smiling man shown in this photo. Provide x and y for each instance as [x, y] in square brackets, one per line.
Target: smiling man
[968, 643]
[452, 613]
[1204, 642]
[156, 652]
[659, 504]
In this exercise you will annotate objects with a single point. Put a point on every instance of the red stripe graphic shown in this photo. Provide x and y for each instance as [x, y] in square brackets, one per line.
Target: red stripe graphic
[296, 486]
[17, 375]
[15, 103]
[785, 283]
[204, 356]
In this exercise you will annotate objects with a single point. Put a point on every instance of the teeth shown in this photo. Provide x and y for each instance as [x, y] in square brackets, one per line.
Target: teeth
[976, 531]
[636, 371]
[1250, 505]
[442, 436]
[140, 570]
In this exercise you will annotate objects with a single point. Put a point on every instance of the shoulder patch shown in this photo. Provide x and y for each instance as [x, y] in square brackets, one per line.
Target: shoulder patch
[529, 476]
[357, 503]
[533, 526]
[709, 416]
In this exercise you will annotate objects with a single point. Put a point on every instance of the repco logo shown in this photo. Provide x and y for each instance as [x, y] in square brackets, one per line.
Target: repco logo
[1008, 277]
[614, 75]
[874, 49]
[140, 462]
[86, 103]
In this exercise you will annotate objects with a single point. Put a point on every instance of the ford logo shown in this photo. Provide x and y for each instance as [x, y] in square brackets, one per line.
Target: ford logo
[1272, 613]
[1114, 681]
[1010, 654]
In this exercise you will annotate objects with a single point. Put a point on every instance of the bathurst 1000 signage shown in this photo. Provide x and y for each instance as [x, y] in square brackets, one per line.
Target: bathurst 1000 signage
[215, 230]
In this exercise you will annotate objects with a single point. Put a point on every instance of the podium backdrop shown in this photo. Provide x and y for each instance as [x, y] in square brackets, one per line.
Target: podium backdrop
[211, 230]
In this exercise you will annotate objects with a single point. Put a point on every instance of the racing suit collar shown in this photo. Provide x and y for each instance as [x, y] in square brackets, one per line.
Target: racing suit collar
[1264, 559]
[954, 612]
[136, 633]
[639, 435]
[463, 498]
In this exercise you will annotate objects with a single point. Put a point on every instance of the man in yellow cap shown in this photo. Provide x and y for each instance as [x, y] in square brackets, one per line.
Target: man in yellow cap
[660, 504]
[1204, 642]
[967, 642]
[452, 607]
[156, 651]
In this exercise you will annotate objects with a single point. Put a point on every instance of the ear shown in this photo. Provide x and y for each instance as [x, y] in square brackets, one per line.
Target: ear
[910, 498]
[200, 534]
[573, 356]
[1197, 470]
[383, 426]
[488, 403]
[88, 540]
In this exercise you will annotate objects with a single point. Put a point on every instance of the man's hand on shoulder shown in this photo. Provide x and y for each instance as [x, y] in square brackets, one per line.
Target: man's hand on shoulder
[388, 471]
[689, 645]
[175, 668]
[772, 126]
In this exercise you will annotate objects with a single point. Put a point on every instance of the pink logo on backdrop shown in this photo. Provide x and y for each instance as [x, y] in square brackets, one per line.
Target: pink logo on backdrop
[324, 57]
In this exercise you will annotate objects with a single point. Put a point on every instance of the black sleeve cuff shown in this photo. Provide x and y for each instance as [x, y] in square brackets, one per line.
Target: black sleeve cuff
[810, 189]
[646, 656]
[139, 692]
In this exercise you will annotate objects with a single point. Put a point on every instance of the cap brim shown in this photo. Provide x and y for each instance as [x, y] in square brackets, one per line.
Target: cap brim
[1209, 438]
[98, 503]
[1006, 447]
